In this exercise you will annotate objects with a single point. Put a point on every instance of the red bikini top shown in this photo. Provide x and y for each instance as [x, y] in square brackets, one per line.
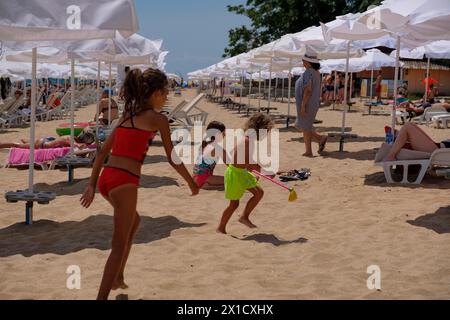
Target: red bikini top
[131, 142]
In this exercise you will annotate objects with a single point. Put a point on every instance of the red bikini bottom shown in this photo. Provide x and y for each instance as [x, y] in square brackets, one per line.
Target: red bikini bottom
[112, 178]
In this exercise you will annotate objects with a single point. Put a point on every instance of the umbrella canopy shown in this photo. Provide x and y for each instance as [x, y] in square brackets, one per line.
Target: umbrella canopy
[133, 50]
[37, 20]
[417, 20]
[434, 50]
[374, 59]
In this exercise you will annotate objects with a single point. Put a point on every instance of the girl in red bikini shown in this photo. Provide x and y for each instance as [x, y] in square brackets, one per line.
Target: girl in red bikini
[144, 94]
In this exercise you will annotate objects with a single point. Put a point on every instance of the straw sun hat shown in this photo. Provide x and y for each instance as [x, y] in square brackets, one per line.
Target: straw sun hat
[310, 58]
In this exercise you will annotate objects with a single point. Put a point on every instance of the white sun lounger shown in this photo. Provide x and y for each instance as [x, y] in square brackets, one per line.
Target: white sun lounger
[185, 116]
[440, 158]
[442, 120]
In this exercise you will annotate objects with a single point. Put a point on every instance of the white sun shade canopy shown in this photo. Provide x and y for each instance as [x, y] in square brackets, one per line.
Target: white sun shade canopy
[415, 20]
[308, 41]
[43, 20]
[434, 50]
[133, 50]
[373, 60]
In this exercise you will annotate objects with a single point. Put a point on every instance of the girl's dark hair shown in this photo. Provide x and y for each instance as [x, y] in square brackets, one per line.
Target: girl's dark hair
[259, 121]
[315, 66]
[139, 87]
[213, 125]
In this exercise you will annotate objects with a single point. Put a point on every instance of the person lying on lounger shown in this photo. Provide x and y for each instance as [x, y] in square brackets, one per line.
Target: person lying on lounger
[81, 142]
[413, 108]
[414, 138]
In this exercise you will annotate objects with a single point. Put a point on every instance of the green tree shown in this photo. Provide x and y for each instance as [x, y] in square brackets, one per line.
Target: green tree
[271, 19]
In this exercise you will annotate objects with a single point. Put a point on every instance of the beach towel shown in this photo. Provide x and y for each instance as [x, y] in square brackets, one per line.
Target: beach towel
[22, 156]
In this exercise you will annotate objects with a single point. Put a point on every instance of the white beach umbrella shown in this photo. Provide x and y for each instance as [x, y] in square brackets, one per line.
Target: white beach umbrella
[39, 22]
[412, 21]
[295, 46]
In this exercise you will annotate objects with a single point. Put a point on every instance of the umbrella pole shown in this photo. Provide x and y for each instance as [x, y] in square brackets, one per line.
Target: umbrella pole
[371, 88]
[242, 87]
[109, 94]
[289, 93]
[351, 87]
[282, 89]
[397, 67]
[276, 88]
[259, 91]
[97, 115]
[344, 114]
[427, 82]
[250, 89]
[270, 82]
[72, 104]
[334, 93]
[29, 205]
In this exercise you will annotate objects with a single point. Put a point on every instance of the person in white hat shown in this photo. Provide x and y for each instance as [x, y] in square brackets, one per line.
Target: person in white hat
[307, 95]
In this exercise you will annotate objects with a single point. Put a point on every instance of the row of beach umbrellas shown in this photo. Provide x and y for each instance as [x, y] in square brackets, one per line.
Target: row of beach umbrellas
[405, 25]
[81, 31]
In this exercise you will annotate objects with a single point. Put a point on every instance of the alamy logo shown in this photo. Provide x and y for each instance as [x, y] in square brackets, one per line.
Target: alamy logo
[74, 18]
[374, 281]
[74, 280]
[373, 21]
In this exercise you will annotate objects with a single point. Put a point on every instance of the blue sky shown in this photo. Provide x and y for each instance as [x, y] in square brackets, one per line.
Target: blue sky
[194, 31]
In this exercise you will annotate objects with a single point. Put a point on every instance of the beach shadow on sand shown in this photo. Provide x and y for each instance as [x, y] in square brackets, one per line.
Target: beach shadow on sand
[155, 159]
[6, 131]
[439, 221]
[378, 180]
[271, 239]
[362, 155]
[61, 238]
[77, 187]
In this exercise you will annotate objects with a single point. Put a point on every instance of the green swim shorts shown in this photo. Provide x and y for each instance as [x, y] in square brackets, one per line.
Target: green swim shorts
[237, 181]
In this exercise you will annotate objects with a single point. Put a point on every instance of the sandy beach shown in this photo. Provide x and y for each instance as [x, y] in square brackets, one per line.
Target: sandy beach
[346, 219]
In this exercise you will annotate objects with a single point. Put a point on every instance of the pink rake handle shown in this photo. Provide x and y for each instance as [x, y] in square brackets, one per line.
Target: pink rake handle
[272, 180]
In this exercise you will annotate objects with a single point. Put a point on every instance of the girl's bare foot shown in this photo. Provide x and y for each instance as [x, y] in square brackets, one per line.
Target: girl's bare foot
[247, 223]
[221, 230]
[308, 155]
[120, 284]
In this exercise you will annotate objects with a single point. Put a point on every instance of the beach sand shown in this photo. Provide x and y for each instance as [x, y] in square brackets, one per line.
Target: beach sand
[346, 219]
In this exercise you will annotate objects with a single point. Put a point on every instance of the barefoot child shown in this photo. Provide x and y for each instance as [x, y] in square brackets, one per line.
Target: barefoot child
[238, 177]
[145, 94]
[205, 165]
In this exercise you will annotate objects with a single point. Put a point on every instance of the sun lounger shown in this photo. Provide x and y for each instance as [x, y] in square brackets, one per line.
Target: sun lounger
[79, 159]
[20, 158]
[185, 117]
[7, 103]
[176, 109]
[442, 120]
[429, 113]
[407, 158]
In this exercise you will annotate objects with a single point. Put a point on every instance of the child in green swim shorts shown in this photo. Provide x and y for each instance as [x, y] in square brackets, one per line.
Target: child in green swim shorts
[239, 179]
